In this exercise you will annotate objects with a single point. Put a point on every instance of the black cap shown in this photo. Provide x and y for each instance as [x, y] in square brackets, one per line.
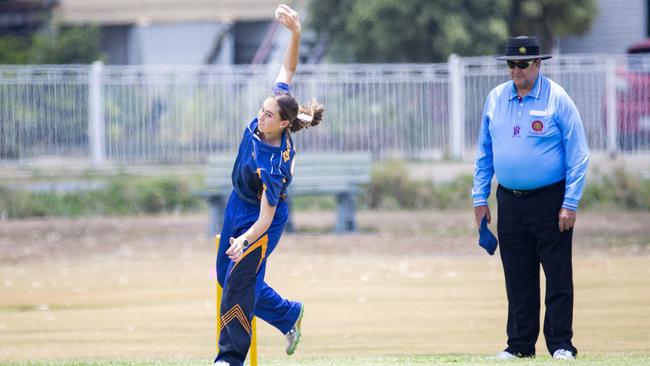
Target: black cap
[522, 48]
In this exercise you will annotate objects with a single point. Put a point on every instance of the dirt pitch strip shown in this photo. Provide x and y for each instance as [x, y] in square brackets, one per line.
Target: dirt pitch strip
[407, 286]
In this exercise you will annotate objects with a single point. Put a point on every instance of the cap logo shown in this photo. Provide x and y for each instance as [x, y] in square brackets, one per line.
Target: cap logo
[522, 50]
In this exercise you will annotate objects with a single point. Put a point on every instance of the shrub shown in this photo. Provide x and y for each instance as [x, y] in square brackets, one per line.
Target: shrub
[391, 188]
[619, 189]
[123, 195]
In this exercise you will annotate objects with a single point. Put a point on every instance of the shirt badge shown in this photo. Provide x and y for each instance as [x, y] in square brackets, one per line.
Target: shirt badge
[537, 126]
[516, 130]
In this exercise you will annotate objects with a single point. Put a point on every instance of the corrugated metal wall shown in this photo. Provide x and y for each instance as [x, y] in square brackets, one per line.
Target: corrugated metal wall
[620, 23]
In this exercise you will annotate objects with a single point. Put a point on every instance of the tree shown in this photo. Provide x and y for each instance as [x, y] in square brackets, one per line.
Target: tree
[60, 45]
[550, 19]
[14, 50]
[67, 45]
[409, 31]
[430, 30]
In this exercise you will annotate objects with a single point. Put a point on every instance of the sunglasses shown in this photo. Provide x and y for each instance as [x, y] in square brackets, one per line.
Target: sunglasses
[522, 65]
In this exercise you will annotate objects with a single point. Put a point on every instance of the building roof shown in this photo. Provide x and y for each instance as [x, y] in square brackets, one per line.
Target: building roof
[106, 12]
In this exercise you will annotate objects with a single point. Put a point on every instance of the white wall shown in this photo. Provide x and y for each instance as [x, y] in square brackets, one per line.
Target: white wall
[620, 23]
[172, 44]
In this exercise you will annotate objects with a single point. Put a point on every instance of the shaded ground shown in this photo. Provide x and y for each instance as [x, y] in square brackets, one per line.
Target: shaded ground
[409, 283]
[381, 233]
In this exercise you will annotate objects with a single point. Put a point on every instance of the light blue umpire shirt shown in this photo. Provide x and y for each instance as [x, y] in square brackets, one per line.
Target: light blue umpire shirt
[531, 142]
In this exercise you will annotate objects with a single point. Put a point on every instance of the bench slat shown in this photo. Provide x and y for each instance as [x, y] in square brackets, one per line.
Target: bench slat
[315, 175]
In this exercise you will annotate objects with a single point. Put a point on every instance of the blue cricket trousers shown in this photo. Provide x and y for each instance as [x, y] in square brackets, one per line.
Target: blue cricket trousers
[245, 294]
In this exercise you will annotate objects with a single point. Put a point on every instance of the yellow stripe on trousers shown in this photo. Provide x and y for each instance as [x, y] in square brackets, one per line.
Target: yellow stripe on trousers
[253, 349]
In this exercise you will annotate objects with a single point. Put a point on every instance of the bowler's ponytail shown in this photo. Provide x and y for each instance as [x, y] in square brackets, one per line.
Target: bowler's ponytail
[308, 116]
[299, 117]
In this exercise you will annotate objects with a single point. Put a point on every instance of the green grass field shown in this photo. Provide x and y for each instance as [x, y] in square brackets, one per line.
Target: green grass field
[422, 360]
[411, 288]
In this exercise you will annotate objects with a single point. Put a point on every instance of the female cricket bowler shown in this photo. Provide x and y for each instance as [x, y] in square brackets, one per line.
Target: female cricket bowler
[257, 212]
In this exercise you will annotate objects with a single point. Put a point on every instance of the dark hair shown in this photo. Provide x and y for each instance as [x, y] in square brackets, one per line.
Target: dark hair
[292, 112]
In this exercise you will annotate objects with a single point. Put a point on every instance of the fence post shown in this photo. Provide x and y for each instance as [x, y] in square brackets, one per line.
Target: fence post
[456, 108]
[612, 112]
[96, 126]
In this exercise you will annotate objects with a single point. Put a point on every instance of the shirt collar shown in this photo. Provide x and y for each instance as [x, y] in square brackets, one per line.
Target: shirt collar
[534, 93]
[283, 140]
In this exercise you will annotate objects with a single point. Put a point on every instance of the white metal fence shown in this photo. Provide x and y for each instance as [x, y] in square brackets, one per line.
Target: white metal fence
[110, 115]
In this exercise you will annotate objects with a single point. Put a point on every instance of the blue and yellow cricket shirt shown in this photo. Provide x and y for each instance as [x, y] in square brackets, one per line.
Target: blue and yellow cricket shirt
[262, 166]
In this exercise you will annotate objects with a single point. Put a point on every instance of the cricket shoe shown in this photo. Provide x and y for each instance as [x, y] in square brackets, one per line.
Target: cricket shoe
[293, 336]
[505, 355]
[562, 354]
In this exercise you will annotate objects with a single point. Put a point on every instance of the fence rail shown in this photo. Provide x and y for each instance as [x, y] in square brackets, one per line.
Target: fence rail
[122, 115]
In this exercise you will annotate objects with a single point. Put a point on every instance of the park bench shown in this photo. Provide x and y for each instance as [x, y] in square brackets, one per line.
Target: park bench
[339, 175]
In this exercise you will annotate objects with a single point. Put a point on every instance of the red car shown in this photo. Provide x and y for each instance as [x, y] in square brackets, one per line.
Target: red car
[633, 98]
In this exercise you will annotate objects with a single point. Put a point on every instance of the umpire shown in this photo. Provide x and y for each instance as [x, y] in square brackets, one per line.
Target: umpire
[532, 138]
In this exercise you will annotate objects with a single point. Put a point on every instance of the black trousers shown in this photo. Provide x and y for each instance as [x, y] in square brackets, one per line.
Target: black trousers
[529, 235]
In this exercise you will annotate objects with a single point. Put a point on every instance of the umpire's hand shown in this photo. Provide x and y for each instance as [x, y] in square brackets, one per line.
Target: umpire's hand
[479, 212]
[567, 219]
